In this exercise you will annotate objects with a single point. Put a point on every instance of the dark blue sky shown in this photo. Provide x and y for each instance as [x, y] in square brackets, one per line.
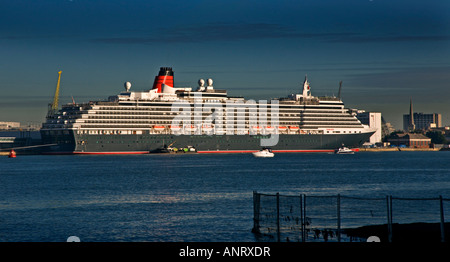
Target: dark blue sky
[385, 52]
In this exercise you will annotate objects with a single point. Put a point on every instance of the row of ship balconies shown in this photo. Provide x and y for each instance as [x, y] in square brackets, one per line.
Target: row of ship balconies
[155, 120]
[308, 117]
[109, 114]
[164, 124]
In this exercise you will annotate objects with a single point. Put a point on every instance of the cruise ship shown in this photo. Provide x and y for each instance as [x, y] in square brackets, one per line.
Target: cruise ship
[203, 119]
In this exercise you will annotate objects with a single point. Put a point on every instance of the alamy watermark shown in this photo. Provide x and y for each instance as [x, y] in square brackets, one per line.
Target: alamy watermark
[73, 239]
[233, 117]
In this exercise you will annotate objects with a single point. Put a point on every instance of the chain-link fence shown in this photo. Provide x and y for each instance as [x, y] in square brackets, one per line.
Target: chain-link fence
[337, 218]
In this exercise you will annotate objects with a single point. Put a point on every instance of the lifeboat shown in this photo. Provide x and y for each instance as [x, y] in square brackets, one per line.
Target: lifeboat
[207, 127]
[159, 127]
[270, 129]
[255, 130]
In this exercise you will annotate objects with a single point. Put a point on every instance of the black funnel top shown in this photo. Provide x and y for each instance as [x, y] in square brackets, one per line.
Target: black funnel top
[165, 71]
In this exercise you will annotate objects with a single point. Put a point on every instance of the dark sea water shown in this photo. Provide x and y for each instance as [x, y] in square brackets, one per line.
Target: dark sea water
[193, 197]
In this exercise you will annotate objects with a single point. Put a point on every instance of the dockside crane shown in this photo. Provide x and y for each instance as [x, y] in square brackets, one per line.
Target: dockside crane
[53, 107]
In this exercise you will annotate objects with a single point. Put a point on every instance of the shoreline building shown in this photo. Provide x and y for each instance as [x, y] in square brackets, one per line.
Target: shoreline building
[373, 120]
[411, 140]
[421, 121]
[9, 125]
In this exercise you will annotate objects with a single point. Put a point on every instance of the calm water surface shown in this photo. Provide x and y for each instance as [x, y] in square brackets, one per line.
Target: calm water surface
[190, 197]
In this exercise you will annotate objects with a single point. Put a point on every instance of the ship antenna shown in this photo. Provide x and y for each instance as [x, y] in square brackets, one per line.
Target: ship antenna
[340, 88]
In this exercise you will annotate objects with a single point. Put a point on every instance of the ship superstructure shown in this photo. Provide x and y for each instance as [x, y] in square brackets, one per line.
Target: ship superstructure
[205, 118]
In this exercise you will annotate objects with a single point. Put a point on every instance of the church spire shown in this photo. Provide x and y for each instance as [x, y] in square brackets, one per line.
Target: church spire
[412, 126]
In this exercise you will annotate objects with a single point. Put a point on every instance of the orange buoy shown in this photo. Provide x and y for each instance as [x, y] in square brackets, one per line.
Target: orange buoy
[12, 153]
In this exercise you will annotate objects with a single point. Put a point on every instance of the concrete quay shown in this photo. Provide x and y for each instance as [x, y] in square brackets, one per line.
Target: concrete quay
[390, 149]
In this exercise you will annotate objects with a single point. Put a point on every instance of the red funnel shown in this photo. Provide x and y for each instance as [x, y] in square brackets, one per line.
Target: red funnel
[165, 76]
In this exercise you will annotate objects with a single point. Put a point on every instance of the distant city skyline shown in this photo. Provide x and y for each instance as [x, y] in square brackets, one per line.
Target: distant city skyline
[420, 121]
[385, 52]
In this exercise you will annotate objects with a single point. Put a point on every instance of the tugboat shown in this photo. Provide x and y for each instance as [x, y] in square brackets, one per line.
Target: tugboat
[173, 150]
[344, 150]
[265, 152]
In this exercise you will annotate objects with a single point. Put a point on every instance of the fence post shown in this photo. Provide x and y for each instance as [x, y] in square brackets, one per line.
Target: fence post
[442, 219]
[304, 218]
[302, 226]
[338, 200]
[256, 211]
[389, 217]
[278, 217]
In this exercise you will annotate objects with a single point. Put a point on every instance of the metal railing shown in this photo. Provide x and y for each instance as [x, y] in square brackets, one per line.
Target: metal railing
[338, 218]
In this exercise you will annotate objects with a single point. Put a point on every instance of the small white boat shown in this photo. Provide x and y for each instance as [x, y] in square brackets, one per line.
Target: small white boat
[344, 150]
[264, 153]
